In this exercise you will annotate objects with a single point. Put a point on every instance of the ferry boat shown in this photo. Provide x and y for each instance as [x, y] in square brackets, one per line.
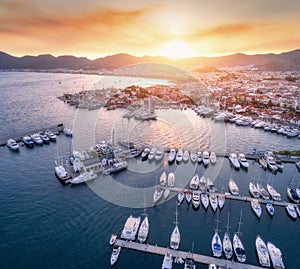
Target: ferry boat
[196, 199]
[253, 190]
[270, 208]
[276, 256]
[243, 161]
[205, 158]
[274, 194]
[143, 230]
[290, 209]
[234, 160]
[172, 156]
[194, 183]
[115, 255]
[204, 200]
[234, 189]
[167, 261]
[262, 252]
[256, 207]
[131, 228]
[12, 144]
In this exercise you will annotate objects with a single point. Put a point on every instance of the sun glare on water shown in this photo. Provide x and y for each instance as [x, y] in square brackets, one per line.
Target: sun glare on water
[176, 49]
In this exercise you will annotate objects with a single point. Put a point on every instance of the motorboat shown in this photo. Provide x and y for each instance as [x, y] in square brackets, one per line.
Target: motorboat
[262, 252]
[44, 137]
[131, 228]
[290, 209]
[36, 139]
[68, 132]
[193, 156]
[61, 173]
[188, 196]
[115, 255]
[279, 164]
[292, 195]
[210, 186]
[84, 177]
[163, 179]
[270, 208]
[202, 183]
[185, 156]
[159, 154]
[205, 158]
[171, 180]
[276, 256]
[262, 192]
[171, 156]
[243, 161]
[196, 199]
[238, 246]
[112, 239]
[234, 189]
[175, 236]
[212, 266]
[227, 245]
[255, 205]
[221, 200]
[180, 197]
[204, 200]
[28, 141]
[166, 193]
[145, 154]
[189, 263]
[276, 196]
[271, 163]
[51, 135]
[253, 190]
[179, 155]
[167, 261]
[194, 183]
[263, 162]
[213, 157]
[143, 230]
[158, 193]
[199, 157]
[151, 154]
[12, 144]
[234, 160]
[216, 245]
[213, 200]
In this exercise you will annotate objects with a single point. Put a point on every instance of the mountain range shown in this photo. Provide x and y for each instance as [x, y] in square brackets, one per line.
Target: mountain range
[273, 62]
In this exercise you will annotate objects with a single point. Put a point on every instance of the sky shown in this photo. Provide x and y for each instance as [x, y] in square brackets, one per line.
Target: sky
[172, 28]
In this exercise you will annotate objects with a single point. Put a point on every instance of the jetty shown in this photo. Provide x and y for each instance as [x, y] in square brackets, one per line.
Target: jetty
[147, 248]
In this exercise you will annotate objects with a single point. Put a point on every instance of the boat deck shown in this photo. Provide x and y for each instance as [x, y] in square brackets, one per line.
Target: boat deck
[183, 254]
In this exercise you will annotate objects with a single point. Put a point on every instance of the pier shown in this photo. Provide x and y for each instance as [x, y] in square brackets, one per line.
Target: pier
[183, 254]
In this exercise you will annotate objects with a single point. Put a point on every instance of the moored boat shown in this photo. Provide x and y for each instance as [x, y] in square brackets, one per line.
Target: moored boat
[216, 245]
[271, 163]
[290, 209]
[158, 193]
[253, 190]
[189, 263]
[205, 158]
[171, 180]
[12, 144]
[188, 196]
[115, 255]
[131, 228]
[255, 205]
[221, 200]
[262, 192]
[61, 173]
[243, 161]
[163, 179]
[194, 183]
[234, 189]
[270, 208]
[171, 156]
[185, 156]
[276, 256]
[213, 157]
[204, 200]
[180, 197]
[262, 252]
[210, 186]
[28, 141]
[213, 200]
[179, 155]
[175, 236]
[234, 160]
[274, 194]
[145, 153]
[263, 162]
[37, 139]
[159, 154]
[199, 157]
[167, 261]
[166, 193]
[196, 199]
[292, 195]
[238, 246]
[227, 245]
[202, 183]
[193, 156]
[143, 230]
[112, 239]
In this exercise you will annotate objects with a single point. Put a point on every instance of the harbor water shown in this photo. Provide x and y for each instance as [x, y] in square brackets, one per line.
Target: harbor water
[46, 225]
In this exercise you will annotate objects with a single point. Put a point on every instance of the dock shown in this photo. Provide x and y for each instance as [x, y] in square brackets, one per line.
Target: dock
[147, 248]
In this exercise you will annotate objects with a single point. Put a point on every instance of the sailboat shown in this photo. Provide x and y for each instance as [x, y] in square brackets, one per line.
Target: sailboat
[216, 243]
[189, 262]
[144, 229]
[238, 246]
[175, 236]
[227, 245]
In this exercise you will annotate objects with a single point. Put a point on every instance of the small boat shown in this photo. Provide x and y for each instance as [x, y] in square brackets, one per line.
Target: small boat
[143, 230]
[145, 154]
[274, 194]
[189, 263]
[157, 195]
[193, 156]
[298, 191]
[262, 191]
[112, 239]
[270, 208]
[263, 163]
[204, 200]
[234, 160]
[221, 200]
[151, 154]
[213, 157]
[115, 255]
[175, 236]
[171, 156]
[166, 193]
[227, 245]
[131, 227]
[185, 156]
[51, 135]
[61, 173]
[212, 266]
[37, 139]
[243, 161]
[179, 155]
[180, 197]
[213, 200]
[44, 137]
[234, 189]
[205, 158]
[194, 183]
[290, 209]
[199, 157]
[67, 132]
[202, 183]
[159, 154]
[167, 261]
[238, 246]
[12, 144]
[271, 163]
[171, 180]
[255, 205]
[262, 252]
[196, 199]
[84, 177]
[253, 190]
[210, 186]
[292, 195]
[28, 141]
[216, 245]
[276, 256]
[188, 196]
[163, 179]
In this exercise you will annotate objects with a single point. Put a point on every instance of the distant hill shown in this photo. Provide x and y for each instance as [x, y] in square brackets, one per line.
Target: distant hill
[284, 61]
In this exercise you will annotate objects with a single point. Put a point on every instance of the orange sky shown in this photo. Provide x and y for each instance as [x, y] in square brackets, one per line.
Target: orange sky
[98, 28]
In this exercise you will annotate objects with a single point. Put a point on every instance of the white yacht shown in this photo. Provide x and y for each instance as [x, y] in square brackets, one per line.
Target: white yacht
[28, 141]
[167, 262]
[172, 155]
[159, 154]
[115, 255]
[238, 246]
[255, 205]
[112, 239]
[163, 179]
[51, 135]
[166, 193]
[292, 195]
[216, 245]
[202, 183]
[131, 228]
[234, 160]
[145, 153]
[221, 200]
[262, 252]
[61, 173]
[276, 256]
[204, 200]
[227, 245]
[37, 139]
[290, 209]
[180, 197]
[143, 230]
[210, 186]
[263, 162]
[243, 161]
[199, 157]
[193, 156]
[67, 132]
[213, 200]
[194, 183]
[253, 190]
[188, 196]
[171, 180]
[175, 236]
[262, 191]
[234, 189]
[151, 154]
[83, 177]
[185, 156]
[205, 158]
[196, 199]
[179, 155]
[271, 163]
[213, 157]
[270, 208]
[157, 194]
[274, 194]
[12, 144]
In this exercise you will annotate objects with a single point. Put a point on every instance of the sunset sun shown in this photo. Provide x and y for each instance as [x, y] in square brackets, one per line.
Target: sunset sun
[176, 49]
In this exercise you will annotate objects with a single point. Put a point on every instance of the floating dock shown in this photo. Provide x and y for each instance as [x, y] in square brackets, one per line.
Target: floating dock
[183, 254]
